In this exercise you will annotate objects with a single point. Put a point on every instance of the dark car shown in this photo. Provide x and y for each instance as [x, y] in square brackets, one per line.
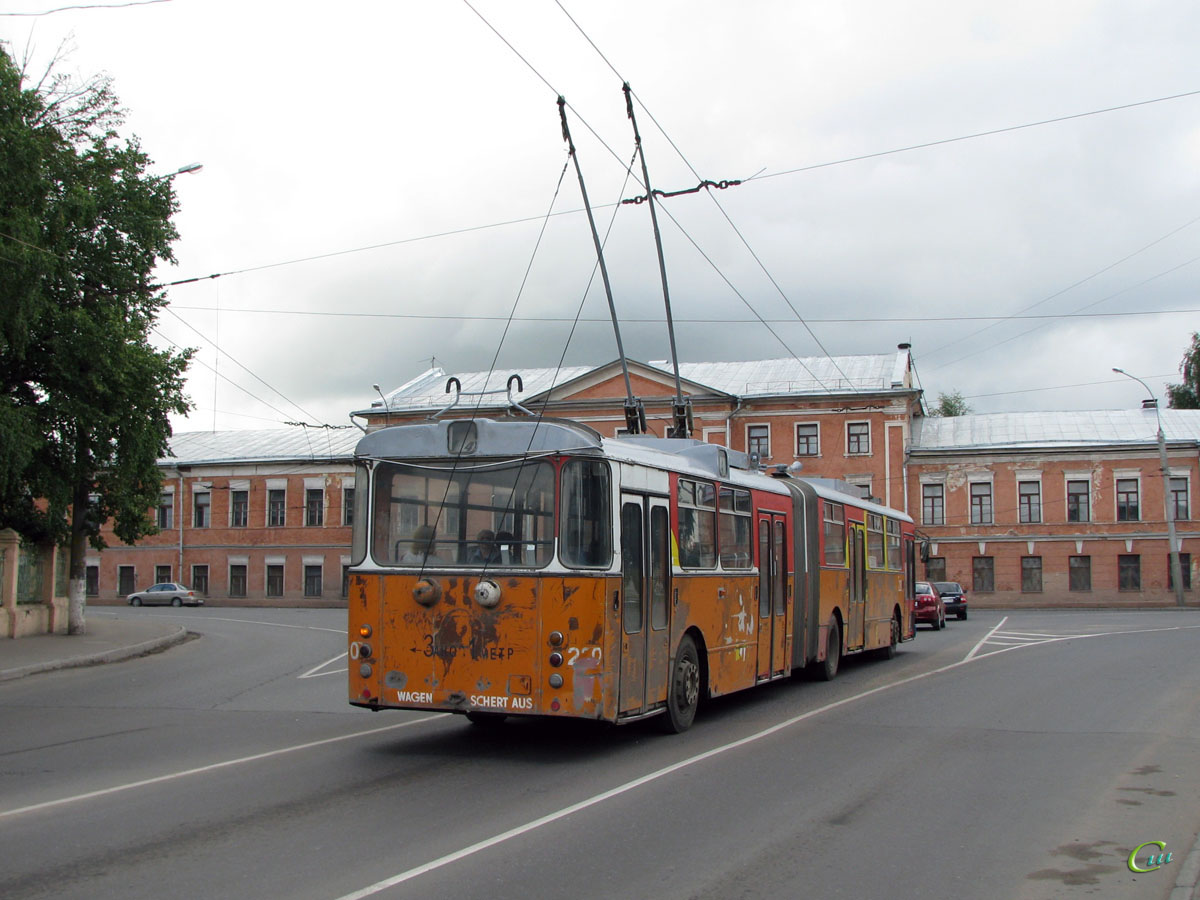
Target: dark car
[954, 596]
[164, 593]
[929, 607]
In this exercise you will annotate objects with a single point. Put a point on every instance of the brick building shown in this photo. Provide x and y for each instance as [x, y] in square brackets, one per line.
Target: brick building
[1019, 507]
[243, 514]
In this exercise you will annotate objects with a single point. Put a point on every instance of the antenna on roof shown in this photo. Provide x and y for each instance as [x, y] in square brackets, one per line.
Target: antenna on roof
[681, 409]
[635, 412]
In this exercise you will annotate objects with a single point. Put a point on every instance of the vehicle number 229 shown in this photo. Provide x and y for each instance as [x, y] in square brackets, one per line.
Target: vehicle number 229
[574, 654]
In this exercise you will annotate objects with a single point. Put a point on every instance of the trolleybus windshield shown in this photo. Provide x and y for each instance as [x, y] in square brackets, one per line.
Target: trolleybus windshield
[498, 514]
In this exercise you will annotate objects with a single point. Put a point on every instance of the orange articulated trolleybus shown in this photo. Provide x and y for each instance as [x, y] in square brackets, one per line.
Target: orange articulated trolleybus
[532, 567]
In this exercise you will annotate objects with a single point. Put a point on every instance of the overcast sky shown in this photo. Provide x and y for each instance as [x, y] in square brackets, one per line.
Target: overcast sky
[412, 128]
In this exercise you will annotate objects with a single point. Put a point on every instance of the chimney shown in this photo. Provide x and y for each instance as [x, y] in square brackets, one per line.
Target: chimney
[1150, 403]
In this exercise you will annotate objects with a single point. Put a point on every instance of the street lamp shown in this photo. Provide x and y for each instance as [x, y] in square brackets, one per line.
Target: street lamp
[1168, 501]
[386, 407]
[190, 167]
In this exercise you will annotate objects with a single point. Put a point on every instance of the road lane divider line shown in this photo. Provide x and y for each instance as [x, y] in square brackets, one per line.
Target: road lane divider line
[458, 855]
[199, 770]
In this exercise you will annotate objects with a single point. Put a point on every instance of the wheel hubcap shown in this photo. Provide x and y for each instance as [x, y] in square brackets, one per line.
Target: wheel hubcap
[687, 685]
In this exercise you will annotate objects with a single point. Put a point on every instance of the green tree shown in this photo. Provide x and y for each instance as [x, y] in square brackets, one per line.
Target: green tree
[88, 399]
[1187, 395]
[952, 404]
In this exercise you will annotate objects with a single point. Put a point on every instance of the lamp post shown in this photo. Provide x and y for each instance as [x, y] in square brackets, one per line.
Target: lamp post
[387, 409]
[1168, 501]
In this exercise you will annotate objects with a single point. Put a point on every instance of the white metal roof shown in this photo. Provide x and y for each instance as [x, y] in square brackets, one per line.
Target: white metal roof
[295, 444]
[761, 377]
[1053, 429]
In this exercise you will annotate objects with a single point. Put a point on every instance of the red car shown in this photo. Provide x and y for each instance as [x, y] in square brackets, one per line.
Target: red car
[929, 606]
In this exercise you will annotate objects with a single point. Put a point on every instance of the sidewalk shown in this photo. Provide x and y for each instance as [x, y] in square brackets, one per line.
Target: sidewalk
[108, 639]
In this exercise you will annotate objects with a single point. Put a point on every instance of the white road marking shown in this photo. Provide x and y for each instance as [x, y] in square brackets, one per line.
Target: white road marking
[442, 861]
[315, 673]
[173, 776]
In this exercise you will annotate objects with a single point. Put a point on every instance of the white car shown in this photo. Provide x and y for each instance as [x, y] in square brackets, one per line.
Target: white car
[164, 593]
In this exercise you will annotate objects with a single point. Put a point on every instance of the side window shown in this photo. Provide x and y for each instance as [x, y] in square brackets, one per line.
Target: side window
[735, 528]
[834, 535]
[697, 524]
[585, 519]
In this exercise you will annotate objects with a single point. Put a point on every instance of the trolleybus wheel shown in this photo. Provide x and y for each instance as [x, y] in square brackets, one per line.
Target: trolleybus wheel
[889, 652]
[833, 653]
[683, 693]
[485, 718]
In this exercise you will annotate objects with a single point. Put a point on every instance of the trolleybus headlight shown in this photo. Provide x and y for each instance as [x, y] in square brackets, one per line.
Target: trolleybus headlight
[487, 593]
[556, 659]
[364, 631]
[556, 639]
[556, 680]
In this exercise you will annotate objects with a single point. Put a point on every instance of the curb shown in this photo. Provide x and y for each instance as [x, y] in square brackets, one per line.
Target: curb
[1188, 881]
[117, 654]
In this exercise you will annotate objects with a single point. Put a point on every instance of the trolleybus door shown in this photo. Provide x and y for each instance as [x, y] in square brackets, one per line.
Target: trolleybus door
[772, 597]
[858, 588]
[645, 612]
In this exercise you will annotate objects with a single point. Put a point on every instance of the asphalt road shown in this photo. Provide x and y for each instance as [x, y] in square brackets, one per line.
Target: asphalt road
[1015, 756]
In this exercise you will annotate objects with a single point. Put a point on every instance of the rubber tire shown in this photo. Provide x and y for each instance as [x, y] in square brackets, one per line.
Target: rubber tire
[487, 719]
[175, 601]
[936, 624]
[962, 615]
[889, 652]
[683, 691]
[136, 601]
[827, 669]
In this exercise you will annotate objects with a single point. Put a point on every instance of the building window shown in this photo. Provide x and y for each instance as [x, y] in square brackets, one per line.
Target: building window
[858, 438]
[935, 568]
[276, 508]
[1031, 574]
[274, 581]
[1129, 572]
[348, 506]
[345, 582]
[1127, 500]
[983, 573]
[312, 581]
[166, 511]
[201, 504]
[1185, 570]
[758, 441]
[200, 579]
[981, 503]
[91, 581]
[1029, 501]
[314, 506]
[237, 581]
[162, 574]
[126, 580]
[933, 504]
[1080, 568]
[1078, 501]
[239, 508]
[1179, 496]
[808, 440]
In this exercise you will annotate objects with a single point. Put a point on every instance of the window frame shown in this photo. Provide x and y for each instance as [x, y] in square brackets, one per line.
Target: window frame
[940, 517]
[813, 440]
[1084, 567]
[983, 574]
[858, 443]
[1083, 501]
[753, 440]
[1129, 572]
[314, 507]
[202, 508]
[981, 513]
[1029, 505]
[1031, 572]
[1126, 511]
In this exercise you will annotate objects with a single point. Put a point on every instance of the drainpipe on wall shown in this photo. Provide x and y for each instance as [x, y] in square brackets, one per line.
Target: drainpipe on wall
[729, 424]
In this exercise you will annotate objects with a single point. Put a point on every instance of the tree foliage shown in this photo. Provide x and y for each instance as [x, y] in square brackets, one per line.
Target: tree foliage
[952, 404]
[1187, 395]
[85, 398]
